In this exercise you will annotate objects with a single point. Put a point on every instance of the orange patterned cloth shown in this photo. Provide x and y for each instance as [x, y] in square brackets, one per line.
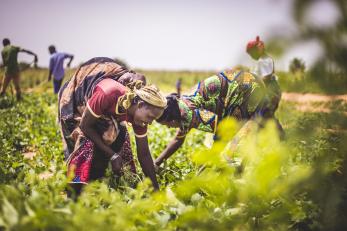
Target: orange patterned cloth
[83, 158]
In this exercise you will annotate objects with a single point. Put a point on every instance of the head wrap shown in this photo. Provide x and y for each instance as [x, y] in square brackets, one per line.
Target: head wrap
[149, 94]
[257, 43]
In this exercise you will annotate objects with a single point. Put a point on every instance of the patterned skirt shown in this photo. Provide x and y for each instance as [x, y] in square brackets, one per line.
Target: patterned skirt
[88, 163]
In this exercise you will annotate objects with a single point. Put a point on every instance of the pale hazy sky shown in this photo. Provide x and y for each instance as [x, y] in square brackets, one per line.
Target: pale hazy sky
[156, 34]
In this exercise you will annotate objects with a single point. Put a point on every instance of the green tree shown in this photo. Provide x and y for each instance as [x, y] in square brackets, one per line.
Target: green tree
[331, 38]
[329, 71]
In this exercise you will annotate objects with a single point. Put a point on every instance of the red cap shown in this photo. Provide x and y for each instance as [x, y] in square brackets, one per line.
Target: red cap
[257, 43]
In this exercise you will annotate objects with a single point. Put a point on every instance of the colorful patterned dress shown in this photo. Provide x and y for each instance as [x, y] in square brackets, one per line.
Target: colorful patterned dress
[193, 117]
[239, 94]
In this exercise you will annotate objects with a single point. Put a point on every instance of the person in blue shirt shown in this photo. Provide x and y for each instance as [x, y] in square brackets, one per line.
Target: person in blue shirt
[56, 67]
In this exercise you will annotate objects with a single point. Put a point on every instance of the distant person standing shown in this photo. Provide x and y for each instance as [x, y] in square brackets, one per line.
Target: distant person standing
[56, 67]
[10, 61]
[178, 86]
[265, 69]
[264, 66]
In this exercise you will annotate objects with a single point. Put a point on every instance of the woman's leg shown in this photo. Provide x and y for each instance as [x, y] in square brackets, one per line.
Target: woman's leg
[57, 85]
[74, 190]
[5, 83]
[79, 166]
[280, 129]
[99, 165]
[16, 81]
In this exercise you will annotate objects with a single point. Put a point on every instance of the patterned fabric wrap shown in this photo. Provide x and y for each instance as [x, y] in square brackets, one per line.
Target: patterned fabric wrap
[80, 153]
[76, 92]
[246, 96]
[193, 117]
[88, 163]
[81, 162]
[186, 115]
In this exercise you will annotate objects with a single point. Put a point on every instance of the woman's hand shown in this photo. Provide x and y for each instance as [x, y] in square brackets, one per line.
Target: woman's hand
[156, 168]
[169, 150]
[117, 165]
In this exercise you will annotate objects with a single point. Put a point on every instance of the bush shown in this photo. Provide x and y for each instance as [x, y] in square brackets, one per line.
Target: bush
[297, 184]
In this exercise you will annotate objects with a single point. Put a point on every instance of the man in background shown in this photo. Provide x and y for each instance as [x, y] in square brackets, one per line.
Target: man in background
[178, 87]
[10, 61]
[56, 67]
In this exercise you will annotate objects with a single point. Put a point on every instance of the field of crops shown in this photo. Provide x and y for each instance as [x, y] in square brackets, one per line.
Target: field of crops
[296, 184]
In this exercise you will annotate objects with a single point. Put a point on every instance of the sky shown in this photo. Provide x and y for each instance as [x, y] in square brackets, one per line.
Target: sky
[151, 34]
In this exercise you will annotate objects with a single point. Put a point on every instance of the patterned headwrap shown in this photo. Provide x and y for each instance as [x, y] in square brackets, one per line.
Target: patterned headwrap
[257, 43]
[149, 94]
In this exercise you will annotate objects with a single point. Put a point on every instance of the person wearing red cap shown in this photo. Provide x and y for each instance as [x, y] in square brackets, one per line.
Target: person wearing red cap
[264, 69]
[265, 65]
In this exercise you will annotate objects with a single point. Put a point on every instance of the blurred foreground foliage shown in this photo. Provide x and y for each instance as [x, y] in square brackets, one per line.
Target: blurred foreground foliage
[297, 184]
[323, 22]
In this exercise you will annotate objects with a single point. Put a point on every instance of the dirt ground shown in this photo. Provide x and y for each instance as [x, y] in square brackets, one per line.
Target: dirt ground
[313, 102]
[309, 98]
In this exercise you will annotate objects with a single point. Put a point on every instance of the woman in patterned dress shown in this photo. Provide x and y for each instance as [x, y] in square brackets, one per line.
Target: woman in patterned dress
[93, 109]
[236, 93]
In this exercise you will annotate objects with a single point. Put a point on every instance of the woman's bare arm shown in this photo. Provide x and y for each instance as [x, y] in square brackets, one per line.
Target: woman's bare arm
[145, 159]
[87, 126]
[172, 147]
